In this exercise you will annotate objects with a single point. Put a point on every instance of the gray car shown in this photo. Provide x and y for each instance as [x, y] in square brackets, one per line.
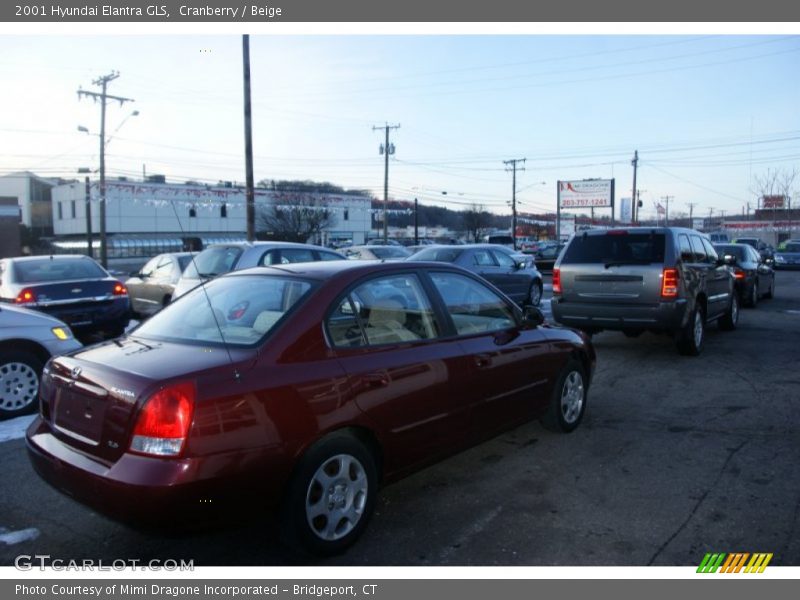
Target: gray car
[219, 259]
[661, 279]
[27, 341]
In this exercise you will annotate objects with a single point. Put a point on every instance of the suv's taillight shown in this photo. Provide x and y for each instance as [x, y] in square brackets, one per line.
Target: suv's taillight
[669, 283]
[164, 421]
[556, 281]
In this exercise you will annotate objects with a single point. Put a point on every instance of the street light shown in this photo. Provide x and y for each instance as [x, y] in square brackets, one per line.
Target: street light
[103, 144]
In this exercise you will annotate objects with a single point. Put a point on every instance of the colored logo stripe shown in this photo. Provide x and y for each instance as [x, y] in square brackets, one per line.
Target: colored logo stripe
[711, 563]
[735, 562]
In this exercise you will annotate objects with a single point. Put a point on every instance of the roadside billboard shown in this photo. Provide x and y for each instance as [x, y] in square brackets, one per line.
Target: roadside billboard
[587, 193]
[698, 223]
[566, 227]
[625, 210]
[773, 202]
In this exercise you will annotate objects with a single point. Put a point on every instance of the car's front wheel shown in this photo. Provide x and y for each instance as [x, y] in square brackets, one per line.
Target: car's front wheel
[20, 373]
[330, 496]
[568, 403]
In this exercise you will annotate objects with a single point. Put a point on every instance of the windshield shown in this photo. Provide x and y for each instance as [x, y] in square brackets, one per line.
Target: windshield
[47, 269]
[438, 254]
[212, 262]
[238, 311]
[624, 248]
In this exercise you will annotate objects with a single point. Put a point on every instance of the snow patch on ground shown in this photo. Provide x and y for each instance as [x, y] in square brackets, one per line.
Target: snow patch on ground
[14, 429]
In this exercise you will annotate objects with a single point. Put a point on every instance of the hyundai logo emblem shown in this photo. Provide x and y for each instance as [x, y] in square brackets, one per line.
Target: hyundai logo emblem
[76, 371]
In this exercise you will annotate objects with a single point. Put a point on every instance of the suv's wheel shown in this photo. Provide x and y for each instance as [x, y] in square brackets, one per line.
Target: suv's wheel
[535, 294]
[692, 336]
[20, 373]
[330, 496]
[729, 320]
[568, 402]
[752, 301]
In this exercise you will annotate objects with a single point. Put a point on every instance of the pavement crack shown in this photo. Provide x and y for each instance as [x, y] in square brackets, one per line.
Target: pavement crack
[697, 505]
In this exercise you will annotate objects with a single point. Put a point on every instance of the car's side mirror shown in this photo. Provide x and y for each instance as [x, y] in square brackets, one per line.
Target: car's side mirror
[521, 264]
[531, 315]
[729, 259]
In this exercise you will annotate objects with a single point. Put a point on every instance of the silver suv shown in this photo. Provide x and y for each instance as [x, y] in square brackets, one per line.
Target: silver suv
[661, 279]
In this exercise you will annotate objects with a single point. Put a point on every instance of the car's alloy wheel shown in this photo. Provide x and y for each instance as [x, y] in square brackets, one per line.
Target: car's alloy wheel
[336, 497]
[568, 402]
[730, 319]
[330, 495]
[535, 297]
[19, 383]
[754, 295]
[698, 329]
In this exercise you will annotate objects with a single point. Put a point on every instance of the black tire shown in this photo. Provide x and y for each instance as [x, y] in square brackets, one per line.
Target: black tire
[564, 414]
[20, 374]
[730, 319]
[327, 459]
[632, 333]
[752, 300]
[771, 293]
[690, 344]
[536, 290]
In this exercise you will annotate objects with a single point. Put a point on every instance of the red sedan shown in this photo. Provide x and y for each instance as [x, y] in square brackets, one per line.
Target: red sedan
[302, 387]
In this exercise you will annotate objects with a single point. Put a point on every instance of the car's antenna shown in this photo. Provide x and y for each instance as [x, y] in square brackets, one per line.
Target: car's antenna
[208, 300]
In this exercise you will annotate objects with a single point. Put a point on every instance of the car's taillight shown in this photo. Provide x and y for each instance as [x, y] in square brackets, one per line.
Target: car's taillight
[25, 297]
[120, 290]
[669, 283]
[738, 273]
[556, 281]
[164, 421]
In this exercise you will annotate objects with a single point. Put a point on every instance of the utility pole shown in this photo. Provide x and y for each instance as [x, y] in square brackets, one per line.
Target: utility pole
[691, 206]
[102, 97]
[416, 222]
[513, 162]
[250, 197]
[635, 211]
[666, 210]
[386, 149]
[89, 251]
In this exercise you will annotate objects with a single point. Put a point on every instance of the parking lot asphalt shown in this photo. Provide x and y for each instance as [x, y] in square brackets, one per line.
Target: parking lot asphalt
[677, 456]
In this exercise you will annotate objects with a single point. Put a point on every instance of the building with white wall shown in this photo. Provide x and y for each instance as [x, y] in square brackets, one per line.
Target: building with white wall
[136, 209]
[33, 194]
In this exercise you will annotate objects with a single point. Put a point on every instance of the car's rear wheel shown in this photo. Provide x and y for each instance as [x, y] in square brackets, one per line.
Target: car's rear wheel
[568, 403]
[752, 301]
[730, 319]
[330, 496]
[20, 373]
[771, 292]
[692, 337]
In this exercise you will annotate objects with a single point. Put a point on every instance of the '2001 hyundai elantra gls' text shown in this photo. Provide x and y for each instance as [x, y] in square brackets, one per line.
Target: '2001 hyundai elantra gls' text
[302, 387]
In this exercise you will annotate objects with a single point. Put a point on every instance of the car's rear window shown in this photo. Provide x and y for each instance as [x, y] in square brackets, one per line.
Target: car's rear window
[438, 254]
[792, 248]
[47, 269]
[391, 252]
[624, 248]
[236, 310]
[212, 262]
[740, 252]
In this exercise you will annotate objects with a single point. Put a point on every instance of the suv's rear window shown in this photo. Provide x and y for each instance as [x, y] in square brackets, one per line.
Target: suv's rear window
[625, 248]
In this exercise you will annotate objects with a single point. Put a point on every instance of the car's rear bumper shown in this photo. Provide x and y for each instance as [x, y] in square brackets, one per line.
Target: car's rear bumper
[110, 316]
[664, 316]
[152, 489]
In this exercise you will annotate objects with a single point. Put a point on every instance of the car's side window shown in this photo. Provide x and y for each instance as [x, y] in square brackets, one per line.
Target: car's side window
[384, 310]
[150, 267]
[270, 258]
[164, 268]
[710, 252]
[296, 255]
[504, 260]
[472, 306]
[329, 256]
[698, 250]
[483, 258]
[686, 250]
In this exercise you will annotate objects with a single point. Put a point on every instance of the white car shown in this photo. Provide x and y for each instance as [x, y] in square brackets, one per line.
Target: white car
[27, 341]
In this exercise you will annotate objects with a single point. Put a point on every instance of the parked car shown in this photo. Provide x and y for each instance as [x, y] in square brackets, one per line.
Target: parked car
[662, 279]
[151, 288]
[72, 288]
[765, 250]
[219, 259]
[501, 240]
[789, 256]
[755, 278]
[27, 341]
[719, 237]
[546, 255]
[377, 252]
[315, 384]
[514, 274]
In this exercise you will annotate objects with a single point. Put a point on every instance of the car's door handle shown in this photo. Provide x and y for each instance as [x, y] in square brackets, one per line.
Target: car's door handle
[483, 360]
[377, 379]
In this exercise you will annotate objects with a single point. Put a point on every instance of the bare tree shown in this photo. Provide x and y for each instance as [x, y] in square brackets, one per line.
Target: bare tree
[475, 220]
[294, 217]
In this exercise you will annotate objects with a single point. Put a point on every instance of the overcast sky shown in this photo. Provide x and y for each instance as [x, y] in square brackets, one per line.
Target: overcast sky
[707, 113]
